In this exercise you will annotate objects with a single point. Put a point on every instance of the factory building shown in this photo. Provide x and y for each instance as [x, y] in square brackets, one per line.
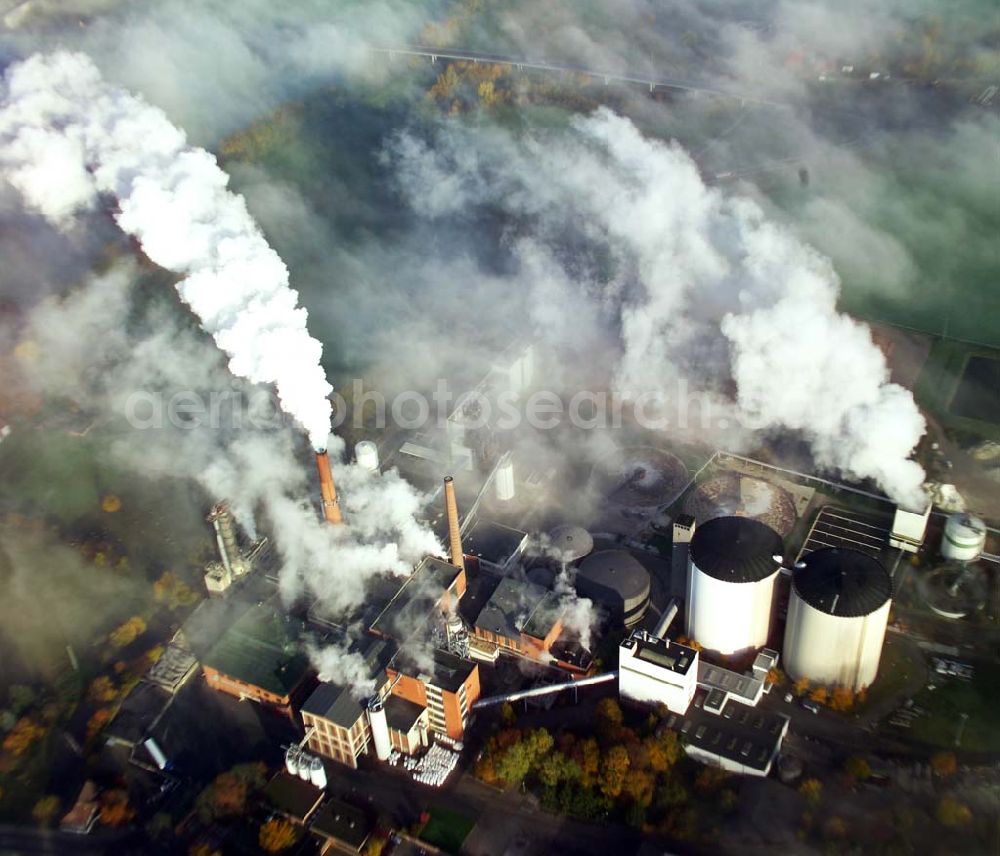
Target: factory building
[435, 586]
[337, 724]
[657, 671]
[494, 547]
[732, 566]
[964, 538]
[447, 690]
[520, 618]
[259, 658]
[837, 617]
[615, 580]
[738, 738]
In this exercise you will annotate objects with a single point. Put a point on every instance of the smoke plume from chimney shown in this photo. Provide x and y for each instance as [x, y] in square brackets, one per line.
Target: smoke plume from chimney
[67, 138]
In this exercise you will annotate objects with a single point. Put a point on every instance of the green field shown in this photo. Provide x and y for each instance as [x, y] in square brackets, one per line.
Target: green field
[945, 706]
[447, 829]
[941, 381]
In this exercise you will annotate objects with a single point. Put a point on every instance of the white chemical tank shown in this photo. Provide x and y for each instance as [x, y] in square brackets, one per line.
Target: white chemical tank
[380, 728]
[292, 756]
[733, 562]
[964, 538]
[837, 617]
[304, 761]
[366, 455]
[505, 478]
[317, 772]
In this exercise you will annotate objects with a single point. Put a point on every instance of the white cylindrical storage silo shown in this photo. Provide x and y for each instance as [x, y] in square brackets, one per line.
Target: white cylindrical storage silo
[733, 562]
[380, 729]
[504, 479]
[964, 538]
[304, 761]
[317, 772]
[292, 756]
[366, 455]
[837, 615]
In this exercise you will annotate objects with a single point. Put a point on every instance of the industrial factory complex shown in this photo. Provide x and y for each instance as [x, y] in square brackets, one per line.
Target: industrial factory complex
[691, 605]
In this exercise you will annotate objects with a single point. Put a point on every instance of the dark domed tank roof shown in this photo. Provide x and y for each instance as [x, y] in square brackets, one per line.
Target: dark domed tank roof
[845, 583]
[736, 549]
[571, 542]
[614, 570]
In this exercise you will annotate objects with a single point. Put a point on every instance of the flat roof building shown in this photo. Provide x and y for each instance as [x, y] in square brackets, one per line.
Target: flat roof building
[259, 658]
[739, 739]
[519, 617]
[447, 689]
[657, 671]
[434, 585]
[496, 547]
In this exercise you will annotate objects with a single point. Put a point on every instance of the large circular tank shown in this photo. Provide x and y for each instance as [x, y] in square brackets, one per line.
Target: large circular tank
[615, 580]
[366, 455]
[570, 543]
[733, 562]
[837, 615]
[964, 538]
[740, 495]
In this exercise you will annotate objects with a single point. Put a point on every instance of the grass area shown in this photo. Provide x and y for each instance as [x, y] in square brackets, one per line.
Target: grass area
[940, 380]
[946, 705]
[900, 661]
[447, 829]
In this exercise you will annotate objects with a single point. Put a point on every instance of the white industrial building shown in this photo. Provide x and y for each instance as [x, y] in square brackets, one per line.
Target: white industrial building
[657, 671]
[837, 617]
[909, 528]
[732, 566]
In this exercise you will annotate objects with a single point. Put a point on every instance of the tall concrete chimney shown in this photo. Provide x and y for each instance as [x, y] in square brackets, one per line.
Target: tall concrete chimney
[221, 519]
[454, 534]
[327, 489]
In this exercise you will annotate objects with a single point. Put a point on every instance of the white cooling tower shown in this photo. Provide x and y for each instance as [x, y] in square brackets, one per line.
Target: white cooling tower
[733, 562]
[380, 729]
[964, 538]
[504, 479]
[837, 615]
[317, 772]
[366, 455]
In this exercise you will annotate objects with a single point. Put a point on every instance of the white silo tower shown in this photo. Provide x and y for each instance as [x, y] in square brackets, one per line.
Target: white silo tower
[837, 615]
[292, 758]
[317, 772]
[732, 565]
[380, 728]
[504, 478]
[305, 759]
[366, 455]
[964, 538]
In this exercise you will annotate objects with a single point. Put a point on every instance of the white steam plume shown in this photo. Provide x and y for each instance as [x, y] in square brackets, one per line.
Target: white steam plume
[705, 287]
[67, 137]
